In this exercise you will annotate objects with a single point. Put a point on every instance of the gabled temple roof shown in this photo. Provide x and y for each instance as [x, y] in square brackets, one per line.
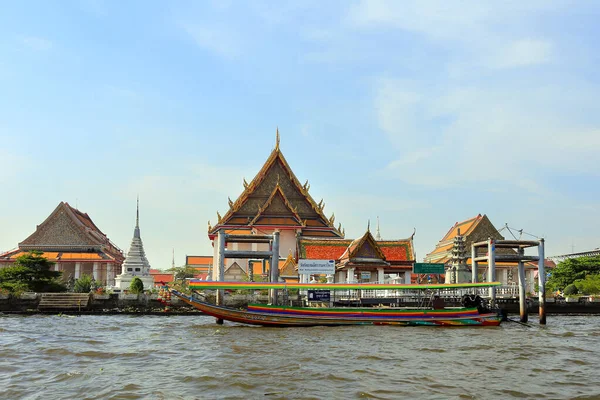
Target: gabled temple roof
[363, 247]
[473, 229]
[396, 252]
[289, 268]
[70, 229]
[275, 197]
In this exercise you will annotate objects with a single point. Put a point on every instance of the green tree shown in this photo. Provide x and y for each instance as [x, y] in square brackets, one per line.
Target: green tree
[589, 285]
[183, 273]
[83, 284]
[31, 272]
[136, 286]
[571, 270]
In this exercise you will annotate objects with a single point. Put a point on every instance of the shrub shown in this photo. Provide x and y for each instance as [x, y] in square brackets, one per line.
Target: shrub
[570, 290]
[83, 284]
[137, 286]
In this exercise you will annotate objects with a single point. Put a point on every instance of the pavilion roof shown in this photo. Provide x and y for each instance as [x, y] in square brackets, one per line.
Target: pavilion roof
[392, 251]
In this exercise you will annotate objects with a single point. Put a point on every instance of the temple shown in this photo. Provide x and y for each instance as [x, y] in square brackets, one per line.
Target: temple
[136, 264]
[276, 200]
[454, 250]
[70, 239]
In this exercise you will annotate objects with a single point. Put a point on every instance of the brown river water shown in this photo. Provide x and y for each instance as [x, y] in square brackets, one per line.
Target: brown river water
[190, 357]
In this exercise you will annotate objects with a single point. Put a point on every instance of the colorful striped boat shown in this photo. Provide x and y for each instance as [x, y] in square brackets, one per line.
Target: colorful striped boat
[284, 316]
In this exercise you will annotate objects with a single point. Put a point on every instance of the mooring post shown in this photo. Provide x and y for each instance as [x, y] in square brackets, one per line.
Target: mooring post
[522, 282]
[221, 271]
[274, 272]
[492, 270]
[542, 283]
[473, 264]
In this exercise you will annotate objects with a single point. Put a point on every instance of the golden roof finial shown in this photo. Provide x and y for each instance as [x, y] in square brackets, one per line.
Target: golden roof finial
[277, 139]
[219, 217]
[245, 184]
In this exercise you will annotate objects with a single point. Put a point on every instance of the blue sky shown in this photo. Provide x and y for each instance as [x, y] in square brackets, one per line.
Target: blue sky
[421, 113]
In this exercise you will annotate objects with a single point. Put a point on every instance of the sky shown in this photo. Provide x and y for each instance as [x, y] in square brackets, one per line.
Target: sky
[420, 113]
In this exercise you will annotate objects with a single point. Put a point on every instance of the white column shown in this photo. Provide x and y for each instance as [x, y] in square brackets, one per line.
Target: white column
[57, 266]
[96, 272]
[492, 269]
[473, 265]
[342, 276]
[542, 283]
[380, 275]
[350, 276]
[77, 270]
[110, 275]
[407, 277]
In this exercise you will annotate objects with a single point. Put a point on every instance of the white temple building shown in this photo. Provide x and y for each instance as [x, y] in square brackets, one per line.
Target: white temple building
[136, 263]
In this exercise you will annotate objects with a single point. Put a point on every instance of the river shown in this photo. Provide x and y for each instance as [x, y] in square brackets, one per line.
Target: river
[190, 357]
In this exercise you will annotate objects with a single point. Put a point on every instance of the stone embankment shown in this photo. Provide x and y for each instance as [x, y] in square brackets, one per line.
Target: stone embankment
[78, 303]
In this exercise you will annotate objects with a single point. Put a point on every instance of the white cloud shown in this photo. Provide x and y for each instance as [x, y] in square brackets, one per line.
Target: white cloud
[221, 40]
[37, 43]
[522, 53]
[456, 135]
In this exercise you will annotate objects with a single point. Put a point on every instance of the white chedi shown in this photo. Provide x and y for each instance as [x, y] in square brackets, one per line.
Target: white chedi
[136, 264]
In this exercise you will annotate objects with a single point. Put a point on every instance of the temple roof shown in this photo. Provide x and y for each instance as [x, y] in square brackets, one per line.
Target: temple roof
[60, 256]
[393, 251]
[276, 198]
[364, 250]
[70, 229]
[473, 229]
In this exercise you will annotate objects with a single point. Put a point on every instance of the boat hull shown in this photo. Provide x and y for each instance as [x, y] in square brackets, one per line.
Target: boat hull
[279, 316]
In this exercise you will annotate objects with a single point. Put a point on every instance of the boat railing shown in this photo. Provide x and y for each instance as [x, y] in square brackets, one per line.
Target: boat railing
[507, 291]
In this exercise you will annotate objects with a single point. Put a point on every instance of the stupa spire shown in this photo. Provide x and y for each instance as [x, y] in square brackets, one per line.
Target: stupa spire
[136, 231]
[277, 139]
[378, 234]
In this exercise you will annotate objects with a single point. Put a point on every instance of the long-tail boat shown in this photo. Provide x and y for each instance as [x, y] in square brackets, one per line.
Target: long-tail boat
[284, 316]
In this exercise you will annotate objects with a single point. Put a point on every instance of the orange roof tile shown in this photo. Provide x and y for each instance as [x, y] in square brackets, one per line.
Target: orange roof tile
[198, 260]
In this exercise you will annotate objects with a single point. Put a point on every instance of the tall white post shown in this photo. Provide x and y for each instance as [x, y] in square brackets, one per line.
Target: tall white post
[407, 277]
[274, 273]
[492, 270]
[542, 283]
[77, 270]
[220, 266]
[522, 288]
[57, 266]
[473, 265]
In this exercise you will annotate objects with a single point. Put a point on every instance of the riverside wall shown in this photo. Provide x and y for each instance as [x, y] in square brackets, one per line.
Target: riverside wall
[121, 303]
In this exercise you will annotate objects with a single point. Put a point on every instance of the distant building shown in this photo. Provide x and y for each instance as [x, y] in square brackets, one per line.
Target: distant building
[473, 230]
[70, 239]
[202, 264]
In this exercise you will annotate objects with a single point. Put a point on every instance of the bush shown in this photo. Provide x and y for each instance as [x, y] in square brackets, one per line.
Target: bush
[137, 286]
[571, 290]
[83, 284]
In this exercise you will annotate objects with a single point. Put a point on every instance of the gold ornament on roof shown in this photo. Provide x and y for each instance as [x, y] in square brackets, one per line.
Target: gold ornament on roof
[245, 184]
[219, 217]
[209, 225]
[277, 139]
[230, 202]
[332, 219]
